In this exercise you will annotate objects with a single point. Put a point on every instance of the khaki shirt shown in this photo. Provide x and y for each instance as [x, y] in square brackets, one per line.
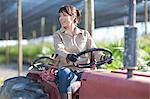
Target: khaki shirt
[65, 44]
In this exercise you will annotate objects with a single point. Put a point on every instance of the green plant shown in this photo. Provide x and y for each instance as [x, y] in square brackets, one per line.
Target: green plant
[117, 50]
[32, 51]
[143, 53]
[1, 81]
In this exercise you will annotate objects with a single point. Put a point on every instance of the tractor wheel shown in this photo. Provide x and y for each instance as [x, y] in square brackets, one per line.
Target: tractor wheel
[21, 88]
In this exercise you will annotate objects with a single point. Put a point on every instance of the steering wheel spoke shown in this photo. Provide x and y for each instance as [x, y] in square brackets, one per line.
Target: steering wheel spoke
[42, 63]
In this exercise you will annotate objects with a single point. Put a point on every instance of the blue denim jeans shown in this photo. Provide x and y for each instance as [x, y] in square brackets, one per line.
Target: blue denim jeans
[66, 77]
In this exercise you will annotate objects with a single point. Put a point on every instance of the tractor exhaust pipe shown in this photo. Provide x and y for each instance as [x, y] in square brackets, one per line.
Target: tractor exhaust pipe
[130, 34]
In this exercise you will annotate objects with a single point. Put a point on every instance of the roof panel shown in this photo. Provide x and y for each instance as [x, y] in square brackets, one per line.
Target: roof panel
[107, 13]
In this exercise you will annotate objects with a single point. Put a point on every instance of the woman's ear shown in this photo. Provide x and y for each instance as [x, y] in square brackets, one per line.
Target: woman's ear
[73, 17]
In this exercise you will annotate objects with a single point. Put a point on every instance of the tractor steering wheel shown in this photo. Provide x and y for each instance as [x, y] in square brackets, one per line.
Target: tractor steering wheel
[105, 51]
[41, 63]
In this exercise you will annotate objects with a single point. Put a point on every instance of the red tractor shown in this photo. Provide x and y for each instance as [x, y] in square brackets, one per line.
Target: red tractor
[41, 82]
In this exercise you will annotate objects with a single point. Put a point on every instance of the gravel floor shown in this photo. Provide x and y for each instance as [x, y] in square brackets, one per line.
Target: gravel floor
[10, 70]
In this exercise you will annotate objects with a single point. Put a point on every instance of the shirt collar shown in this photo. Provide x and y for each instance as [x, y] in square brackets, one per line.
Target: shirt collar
[77, 30]
[62, 30]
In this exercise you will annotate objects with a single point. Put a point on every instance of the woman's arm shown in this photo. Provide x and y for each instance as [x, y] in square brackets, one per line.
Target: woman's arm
[91, 44]
[60, 48]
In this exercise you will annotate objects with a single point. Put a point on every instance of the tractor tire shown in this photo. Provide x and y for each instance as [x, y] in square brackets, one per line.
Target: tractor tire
[21, 88]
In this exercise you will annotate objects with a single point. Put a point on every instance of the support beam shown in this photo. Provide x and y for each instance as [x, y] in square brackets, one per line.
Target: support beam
[34, 34]
[42, 29]
[53, 28]
[89, 16]
[86, 14]
[132, 13]
[89, 19]
[0, 20]
[20, 53]
[145, 15]
[0, 27]
[7, 47]
[42, 26]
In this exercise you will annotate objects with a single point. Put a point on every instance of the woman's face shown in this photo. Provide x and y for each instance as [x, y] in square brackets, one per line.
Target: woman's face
[65, 20]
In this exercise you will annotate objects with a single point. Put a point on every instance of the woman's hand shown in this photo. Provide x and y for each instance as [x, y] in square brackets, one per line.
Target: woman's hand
[72, 57]
[108, 59]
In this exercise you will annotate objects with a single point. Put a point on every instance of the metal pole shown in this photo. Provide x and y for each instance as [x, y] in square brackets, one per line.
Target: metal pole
[20, 54]
[42, 29]
[132, 12]
[7, 47]
[86, 15]
[89, 16]
[0, 20]
[33, 34]
[53, 28]
[145, 15]
[130, 40]
[89, 20]
[0, 27]
[42, 26]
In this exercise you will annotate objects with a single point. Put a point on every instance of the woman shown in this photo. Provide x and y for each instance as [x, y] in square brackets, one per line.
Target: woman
[68, 41]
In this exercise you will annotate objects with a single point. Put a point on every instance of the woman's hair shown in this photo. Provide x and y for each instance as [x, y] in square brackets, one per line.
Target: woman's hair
[72, 11]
